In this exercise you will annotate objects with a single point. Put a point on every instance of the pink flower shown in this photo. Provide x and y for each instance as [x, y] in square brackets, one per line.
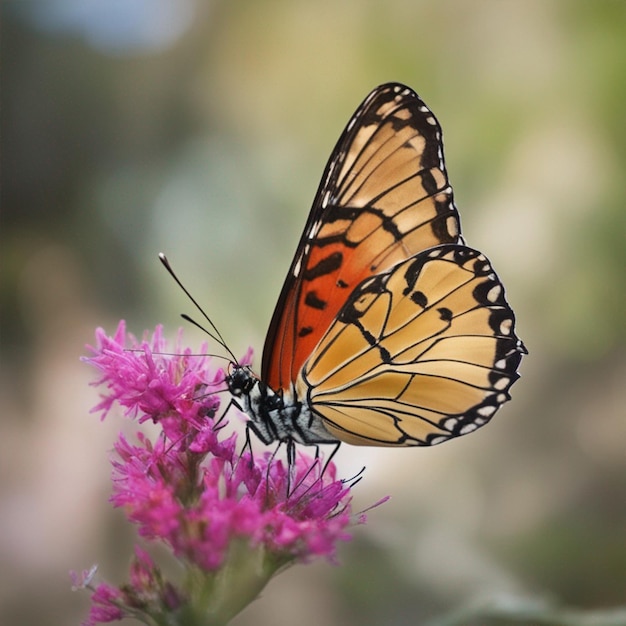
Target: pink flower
[104, 605]
[151, 385]
[220, 512]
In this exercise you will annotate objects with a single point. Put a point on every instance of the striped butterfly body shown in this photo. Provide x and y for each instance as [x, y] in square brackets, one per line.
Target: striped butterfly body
[389, 331]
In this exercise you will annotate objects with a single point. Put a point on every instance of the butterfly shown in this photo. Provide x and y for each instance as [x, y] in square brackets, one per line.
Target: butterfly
[389, 330]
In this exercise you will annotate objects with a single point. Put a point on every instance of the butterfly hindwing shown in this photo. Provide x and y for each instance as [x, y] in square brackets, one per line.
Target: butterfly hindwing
[383, 198]
[421, 353]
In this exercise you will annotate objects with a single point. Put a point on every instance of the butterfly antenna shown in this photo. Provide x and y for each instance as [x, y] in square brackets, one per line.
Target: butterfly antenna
[213, 356]
[214, 334]
[204, 329]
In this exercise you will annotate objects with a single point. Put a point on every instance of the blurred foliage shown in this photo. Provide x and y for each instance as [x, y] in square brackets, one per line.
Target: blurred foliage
[200, 129]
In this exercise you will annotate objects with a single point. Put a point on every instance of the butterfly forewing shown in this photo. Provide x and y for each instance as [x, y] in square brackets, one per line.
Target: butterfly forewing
[383, 198]
[418, 354]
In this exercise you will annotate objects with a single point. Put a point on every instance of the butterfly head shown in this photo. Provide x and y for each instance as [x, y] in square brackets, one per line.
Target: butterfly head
[240, 380]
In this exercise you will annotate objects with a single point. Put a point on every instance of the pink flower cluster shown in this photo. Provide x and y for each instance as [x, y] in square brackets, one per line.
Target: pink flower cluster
[190, 487]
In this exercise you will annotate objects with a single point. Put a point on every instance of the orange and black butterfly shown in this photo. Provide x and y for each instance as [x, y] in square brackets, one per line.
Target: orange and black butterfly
[389, 331]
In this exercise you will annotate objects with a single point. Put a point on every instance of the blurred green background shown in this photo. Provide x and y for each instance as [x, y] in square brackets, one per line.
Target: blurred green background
[201, 129]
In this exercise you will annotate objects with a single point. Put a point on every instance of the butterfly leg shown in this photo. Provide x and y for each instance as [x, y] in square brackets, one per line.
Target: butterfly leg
[248, 444]
[219, 423]
[291, 463]
[330, 456]
[268, 469]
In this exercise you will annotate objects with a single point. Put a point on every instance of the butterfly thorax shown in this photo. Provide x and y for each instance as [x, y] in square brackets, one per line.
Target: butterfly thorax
[275, 416]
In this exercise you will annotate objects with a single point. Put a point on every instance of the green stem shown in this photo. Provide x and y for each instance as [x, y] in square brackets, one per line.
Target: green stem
[214, 599]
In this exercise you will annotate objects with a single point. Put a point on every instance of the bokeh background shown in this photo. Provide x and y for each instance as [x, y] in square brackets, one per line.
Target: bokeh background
[201, 129]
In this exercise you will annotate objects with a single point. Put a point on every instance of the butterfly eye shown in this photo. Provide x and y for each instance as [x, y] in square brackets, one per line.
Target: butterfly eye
[240, 381]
